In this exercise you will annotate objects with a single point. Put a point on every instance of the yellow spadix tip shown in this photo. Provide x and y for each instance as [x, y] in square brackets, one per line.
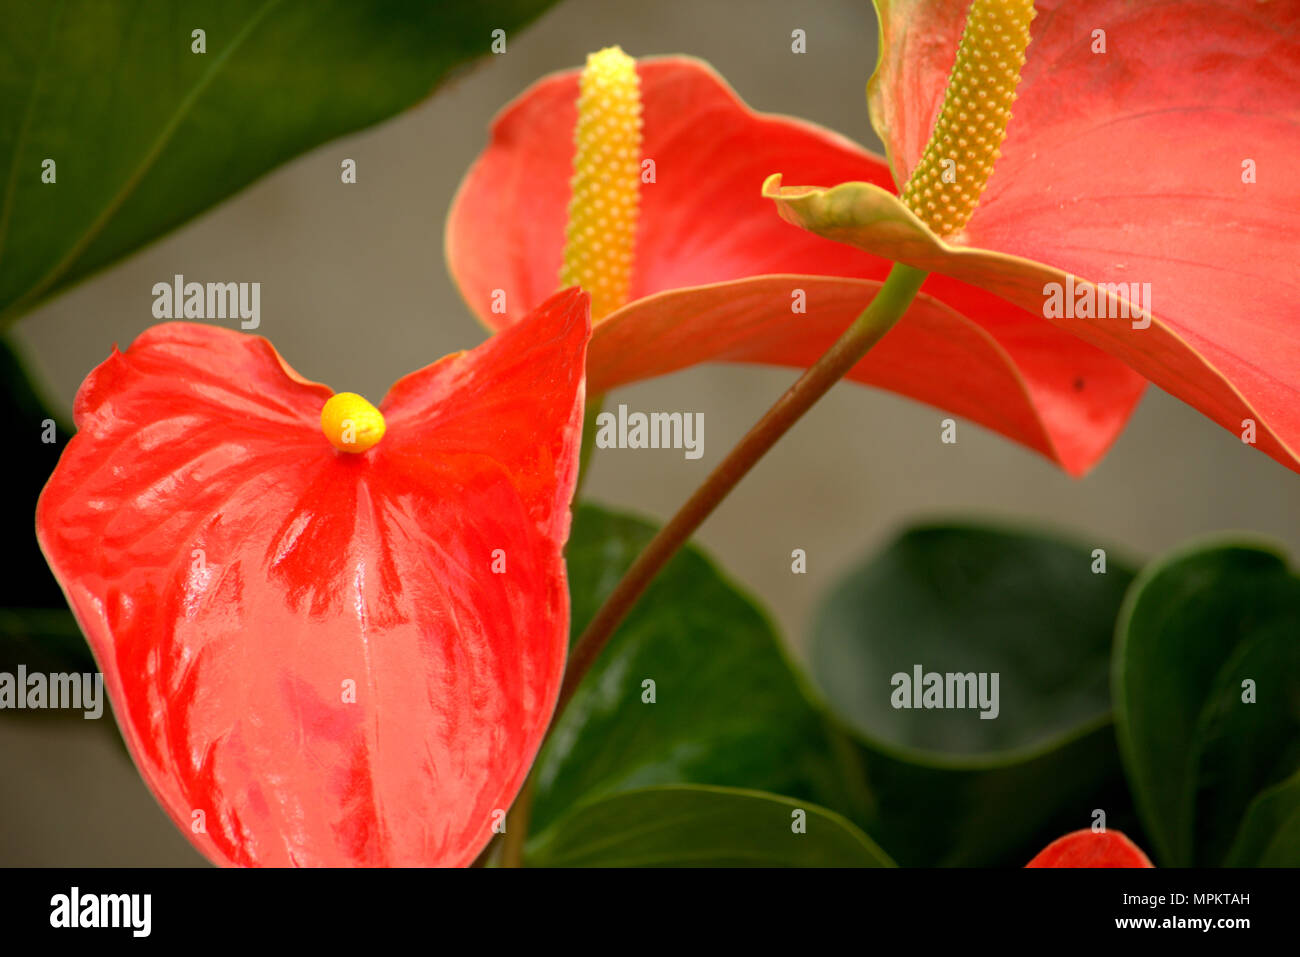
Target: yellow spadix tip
[351, 423]
[948, 181]
[601, 234]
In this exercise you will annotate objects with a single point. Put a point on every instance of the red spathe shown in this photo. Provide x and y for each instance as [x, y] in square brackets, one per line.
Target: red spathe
[719, 277]
[1088, 848]
[320, 658]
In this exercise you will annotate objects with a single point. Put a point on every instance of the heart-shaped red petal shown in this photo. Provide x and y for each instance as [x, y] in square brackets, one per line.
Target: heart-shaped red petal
[1151, 144]
[716, 276]
[316, 657]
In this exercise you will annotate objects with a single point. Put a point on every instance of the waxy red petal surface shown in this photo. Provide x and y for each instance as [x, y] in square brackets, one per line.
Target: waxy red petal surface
[237, 578]
[1088, 848]
[715, 268]
[1127, 166]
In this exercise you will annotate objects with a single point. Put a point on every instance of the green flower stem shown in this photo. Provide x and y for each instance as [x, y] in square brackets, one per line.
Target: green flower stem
[893, 299]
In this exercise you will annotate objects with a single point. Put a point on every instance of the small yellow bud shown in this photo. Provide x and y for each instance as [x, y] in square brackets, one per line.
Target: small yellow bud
[601, 235]
[973, 120]
[351, 423]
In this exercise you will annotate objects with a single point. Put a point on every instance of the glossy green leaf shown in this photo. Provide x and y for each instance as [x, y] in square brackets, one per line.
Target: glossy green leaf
[1204, 632]
[145, 133]
[1269, 835]
[950, 787]
[43, 639]
[728, 708]
[995, 816]
[36, 628]
[35, 436]
[48, 641]
[961, 599]
[693, 826]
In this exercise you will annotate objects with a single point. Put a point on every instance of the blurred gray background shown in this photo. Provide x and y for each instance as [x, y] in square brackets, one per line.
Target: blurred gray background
[355, 294]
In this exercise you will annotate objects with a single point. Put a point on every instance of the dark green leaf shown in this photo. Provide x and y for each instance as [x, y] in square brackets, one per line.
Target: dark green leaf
[692, 826]
[995, 816]
[49, 641]
[36, 628]
[962, 600]
[728, 708]
[1196, 627]
[949, 786]
[147, 134]
[1270, 832]
[43, 639]
[28, 422]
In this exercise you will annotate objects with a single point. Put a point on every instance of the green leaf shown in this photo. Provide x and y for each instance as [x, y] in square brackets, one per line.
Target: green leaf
[43, 639]
[693, 826]
[146, 134]
[36, 628]
[728, 708]
[964, 599]
[951, 787]
[49, 641]
[1270, 832]
[997, 816]
[28, 423]
[1202, 758]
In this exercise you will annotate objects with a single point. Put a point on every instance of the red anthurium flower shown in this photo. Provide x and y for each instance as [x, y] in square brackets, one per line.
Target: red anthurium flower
[715, 276]
[1088, 848]
[1148, 166]
[333, 635]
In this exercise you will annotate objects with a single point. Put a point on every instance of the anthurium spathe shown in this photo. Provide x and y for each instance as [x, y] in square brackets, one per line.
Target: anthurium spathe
[333, 634]
[1089, 848]
[1143, 200]
[716, 276]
